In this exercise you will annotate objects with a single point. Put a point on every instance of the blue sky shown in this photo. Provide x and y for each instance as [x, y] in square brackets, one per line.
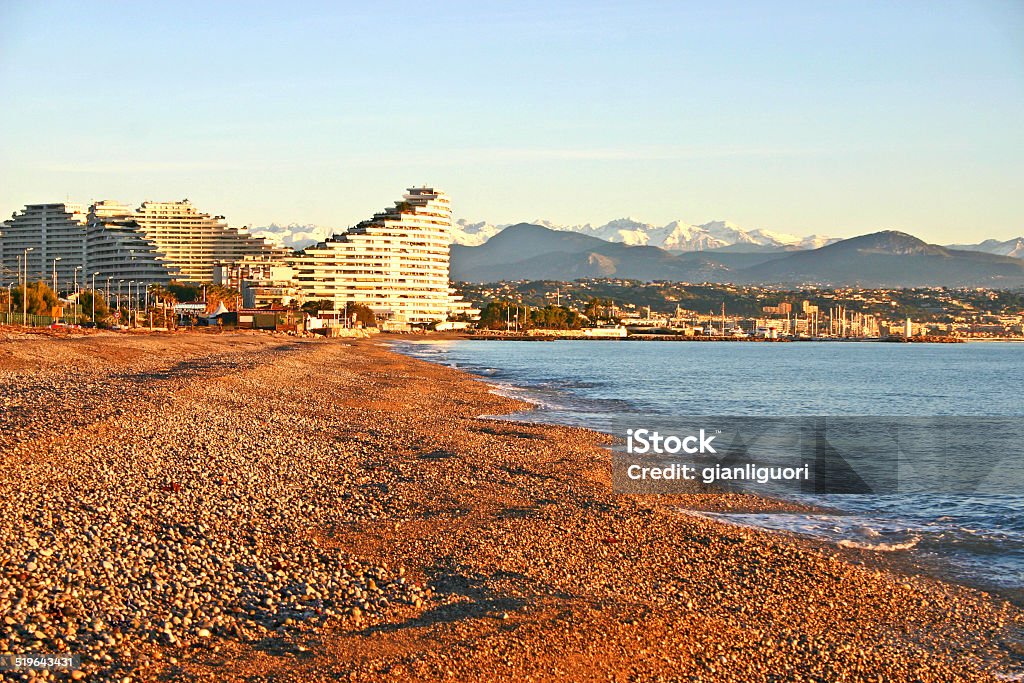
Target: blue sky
[830, 117]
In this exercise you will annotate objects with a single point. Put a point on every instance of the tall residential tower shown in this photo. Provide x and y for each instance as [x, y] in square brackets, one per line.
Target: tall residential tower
[396, 263]
[117, 248]
[48, 232]
[194, 241]
[156, 243]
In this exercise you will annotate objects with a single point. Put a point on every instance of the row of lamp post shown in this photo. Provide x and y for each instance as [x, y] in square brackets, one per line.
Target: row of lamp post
[23, 276]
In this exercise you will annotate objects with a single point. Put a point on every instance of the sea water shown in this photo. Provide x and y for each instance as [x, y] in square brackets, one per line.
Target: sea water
[599, 384]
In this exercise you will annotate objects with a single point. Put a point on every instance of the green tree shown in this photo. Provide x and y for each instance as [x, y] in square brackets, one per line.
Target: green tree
[597, 308]
[102, 310]
[164, 294]
[215, 294]
[494, 316]
[362, 314]
[185, 293]
[556, 318]
[161, 307]
[314, 307]
[39, 299]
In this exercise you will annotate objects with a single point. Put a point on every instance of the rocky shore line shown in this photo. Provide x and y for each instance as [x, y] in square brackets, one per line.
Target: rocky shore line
[242, 507]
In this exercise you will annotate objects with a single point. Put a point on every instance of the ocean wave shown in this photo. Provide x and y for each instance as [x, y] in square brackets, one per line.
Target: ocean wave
[881, 546]
[520, 394]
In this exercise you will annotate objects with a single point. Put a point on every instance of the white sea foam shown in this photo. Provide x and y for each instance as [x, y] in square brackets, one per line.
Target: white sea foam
[519, 394]
[820, 526]
[879, 547]
[1010, 677]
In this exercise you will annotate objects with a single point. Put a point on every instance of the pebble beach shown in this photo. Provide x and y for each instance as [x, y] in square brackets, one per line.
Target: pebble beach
[246, 507]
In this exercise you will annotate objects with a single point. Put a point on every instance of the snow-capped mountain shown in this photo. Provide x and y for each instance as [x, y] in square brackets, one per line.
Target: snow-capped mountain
[1014, 247]
[674, 236]
[293, 235]
[684, 236]
[300, 236]
[474, 234]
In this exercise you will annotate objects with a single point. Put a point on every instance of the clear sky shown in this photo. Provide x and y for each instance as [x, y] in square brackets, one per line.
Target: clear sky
[830, 117]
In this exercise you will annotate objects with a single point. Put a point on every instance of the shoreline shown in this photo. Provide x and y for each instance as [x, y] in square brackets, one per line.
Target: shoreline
[641, 337]
[496, 549]
[909, 562]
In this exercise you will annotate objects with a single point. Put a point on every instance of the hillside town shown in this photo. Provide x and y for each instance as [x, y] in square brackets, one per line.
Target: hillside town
[721, 310]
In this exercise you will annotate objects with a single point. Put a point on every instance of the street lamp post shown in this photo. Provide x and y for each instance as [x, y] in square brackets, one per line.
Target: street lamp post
[56, 290]
[24, 291]
[10, 321]
[131, 307]
[77, 297]
[94, 298]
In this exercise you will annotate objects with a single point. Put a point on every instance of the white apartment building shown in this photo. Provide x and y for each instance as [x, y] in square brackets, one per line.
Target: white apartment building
[396, 263]
[154, 244]
[117, 249]
[194, 241]
[51, 231]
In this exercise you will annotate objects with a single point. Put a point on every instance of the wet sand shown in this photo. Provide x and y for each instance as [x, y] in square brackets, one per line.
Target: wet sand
[244, 507]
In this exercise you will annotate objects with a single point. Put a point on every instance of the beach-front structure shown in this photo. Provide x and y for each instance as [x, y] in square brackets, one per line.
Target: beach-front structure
[396, 263]
[47, 237]
[155, 243]
[194, 242]
[117, 249]
[260, 281]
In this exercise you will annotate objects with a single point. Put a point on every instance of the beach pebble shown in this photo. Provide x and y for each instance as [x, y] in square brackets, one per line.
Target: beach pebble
[219, 495]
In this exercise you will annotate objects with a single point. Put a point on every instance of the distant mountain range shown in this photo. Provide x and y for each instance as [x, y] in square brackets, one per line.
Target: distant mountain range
[1014, 247]
[294, 235]
[677, 236]
[674, 236]
[888, 258]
